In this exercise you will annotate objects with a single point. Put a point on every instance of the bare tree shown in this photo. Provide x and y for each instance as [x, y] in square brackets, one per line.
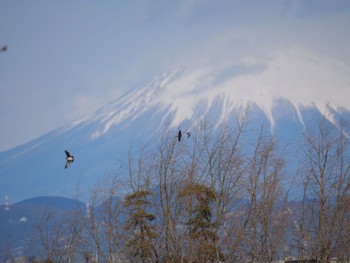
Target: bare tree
[103, 229]
[263, 215]
[58, 235]
[326, 164]
[169, 162]
[5, 249]
[224, 170]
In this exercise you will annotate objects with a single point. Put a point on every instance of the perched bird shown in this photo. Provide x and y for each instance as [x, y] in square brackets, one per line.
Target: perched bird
[179, 135]
[69, 159]
[4, 48]
[188, 134]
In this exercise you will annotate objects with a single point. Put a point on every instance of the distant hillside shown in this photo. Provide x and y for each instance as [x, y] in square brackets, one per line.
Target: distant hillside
[18, 225]
[56, 202]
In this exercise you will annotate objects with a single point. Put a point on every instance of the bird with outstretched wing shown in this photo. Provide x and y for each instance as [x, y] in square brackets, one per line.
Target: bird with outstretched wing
[69, 159]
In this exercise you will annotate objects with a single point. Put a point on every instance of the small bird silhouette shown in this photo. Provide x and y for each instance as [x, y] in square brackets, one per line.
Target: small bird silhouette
[179, 135]
[69, 159]
[4, 48]
[188, 134]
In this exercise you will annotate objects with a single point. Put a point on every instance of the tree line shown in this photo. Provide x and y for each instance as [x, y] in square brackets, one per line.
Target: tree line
[227, 194]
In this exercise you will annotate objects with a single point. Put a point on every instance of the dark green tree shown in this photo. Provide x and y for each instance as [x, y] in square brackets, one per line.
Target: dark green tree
[200, 223]
[142, 233]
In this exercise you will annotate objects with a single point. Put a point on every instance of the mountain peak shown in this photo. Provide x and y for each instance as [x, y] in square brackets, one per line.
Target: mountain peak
[304, 79]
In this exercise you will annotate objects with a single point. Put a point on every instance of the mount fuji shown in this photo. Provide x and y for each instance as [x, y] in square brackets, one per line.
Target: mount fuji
[287, 90]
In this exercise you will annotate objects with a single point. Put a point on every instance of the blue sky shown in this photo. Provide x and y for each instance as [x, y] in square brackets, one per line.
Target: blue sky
[65, 59]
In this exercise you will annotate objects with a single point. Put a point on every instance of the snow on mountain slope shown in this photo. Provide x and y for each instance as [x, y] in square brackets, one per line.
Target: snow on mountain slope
[296, 76]
[287, 89]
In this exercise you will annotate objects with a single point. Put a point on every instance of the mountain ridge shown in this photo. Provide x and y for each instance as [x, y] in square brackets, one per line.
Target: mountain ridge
[179, 98]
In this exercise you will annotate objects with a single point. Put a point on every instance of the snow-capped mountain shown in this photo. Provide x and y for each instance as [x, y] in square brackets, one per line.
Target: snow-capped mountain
[287, 89]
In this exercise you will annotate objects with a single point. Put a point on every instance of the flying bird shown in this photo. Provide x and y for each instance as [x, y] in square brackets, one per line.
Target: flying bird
[179, 135]
[69, 159]
[4, 48]
[188, 134]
